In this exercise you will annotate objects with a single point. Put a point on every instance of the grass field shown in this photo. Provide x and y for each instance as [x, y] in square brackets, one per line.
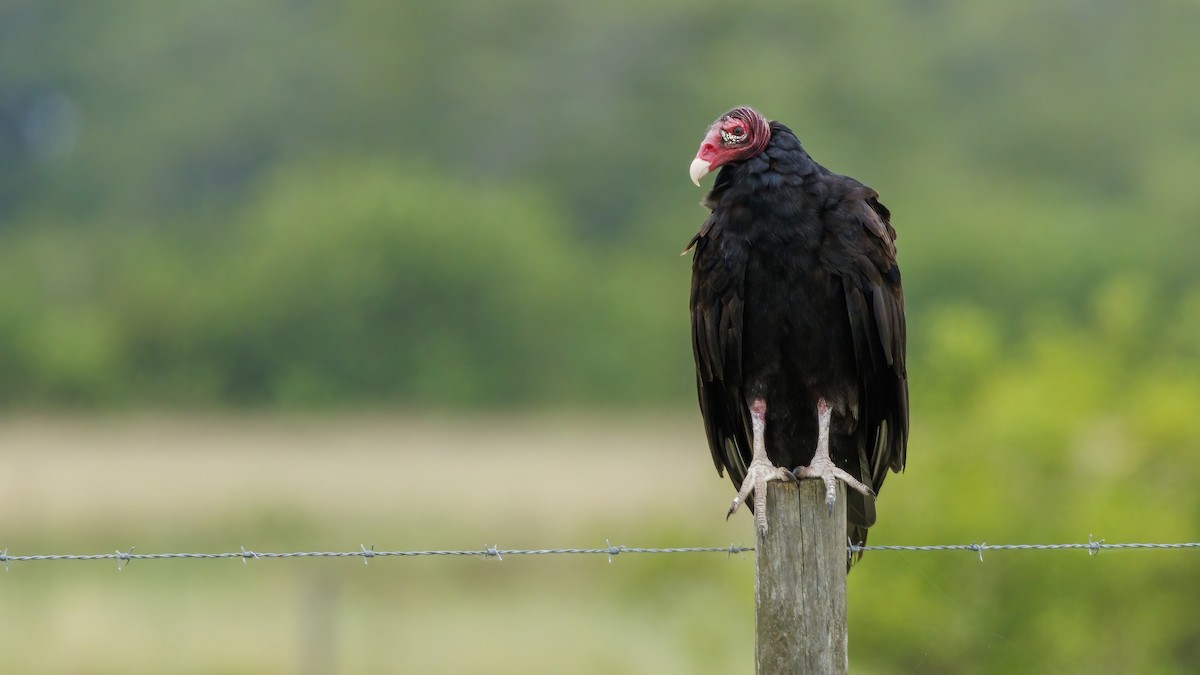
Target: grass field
[205, 485]
[191, 484]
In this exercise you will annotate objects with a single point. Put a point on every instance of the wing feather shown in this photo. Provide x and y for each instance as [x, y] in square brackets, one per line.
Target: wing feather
[875, 307]
[716, 310]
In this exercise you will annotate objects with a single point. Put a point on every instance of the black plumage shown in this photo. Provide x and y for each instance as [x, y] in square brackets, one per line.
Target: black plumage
[796, 297]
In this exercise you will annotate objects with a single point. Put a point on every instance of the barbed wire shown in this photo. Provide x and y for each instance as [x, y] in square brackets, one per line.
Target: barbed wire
[123, 558]
[1092, 547]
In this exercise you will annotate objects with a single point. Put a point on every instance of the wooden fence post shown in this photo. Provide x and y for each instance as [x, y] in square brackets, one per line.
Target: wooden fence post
[800, 582]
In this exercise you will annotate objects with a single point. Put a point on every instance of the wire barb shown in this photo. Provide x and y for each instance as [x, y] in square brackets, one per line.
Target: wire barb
[979, 548]
[126, 558]
[248, 554]
[367, 553]
[612, 550]
[491, 552]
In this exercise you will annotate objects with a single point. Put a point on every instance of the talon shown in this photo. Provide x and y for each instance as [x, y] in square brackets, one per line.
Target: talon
[758, 474]
[825, 470]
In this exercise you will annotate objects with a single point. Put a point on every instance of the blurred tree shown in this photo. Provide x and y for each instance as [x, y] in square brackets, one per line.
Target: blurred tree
[1031, 153]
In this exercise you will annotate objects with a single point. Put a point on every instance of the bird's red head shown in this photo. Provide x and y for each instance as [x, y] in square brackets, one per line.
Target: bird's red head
[736, 135]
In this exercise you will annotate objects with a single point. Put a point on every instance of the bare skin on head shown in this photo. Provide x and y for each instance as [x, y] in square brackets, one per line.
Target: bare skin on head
[738, 134]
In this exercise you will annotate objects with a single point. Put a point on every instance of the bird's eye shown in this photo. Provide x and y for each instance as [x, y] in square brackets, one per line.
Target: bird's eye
[733, 136]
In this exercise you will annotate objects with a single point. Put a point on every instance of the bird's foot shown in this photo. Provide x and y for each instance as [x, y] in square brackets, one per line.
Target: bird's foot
[823, 468]
[757, 475]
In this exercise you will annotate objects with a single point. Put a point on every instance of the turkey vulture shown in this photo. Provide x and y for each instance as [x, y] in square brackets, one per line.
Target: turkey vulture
[797, 321]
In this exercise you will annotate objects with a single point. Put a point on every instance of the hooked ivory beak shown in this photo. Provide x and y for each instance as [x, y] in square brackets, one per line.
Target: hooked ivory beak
[699, 169]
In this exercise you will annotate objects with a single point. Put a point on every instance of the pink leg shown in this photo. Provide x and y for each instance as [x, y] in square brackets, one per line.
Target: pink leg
[822, 466]
[760, 470]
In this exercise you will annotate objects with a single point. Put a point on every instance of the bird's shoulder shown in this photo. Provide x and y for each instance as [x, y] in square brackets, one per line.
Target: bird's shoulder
[854, 222]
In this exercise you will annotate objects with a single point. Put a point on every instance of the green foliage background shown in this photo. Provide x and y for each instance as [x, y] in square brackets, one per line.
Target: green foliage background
[330, 206]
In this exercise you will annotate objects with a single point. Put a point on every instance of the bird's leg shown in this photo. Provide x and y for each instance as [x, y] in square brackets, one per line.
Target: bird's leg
[823, 467]
[760, 470]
